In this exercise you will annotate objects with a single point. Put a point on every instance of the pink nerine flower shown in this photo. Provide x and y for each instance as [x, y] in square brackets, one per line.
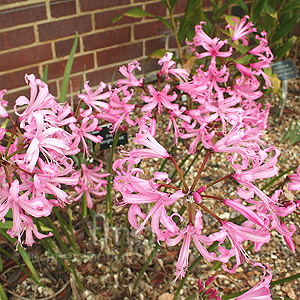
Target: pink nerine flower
[159, 99]
[87, 125]
[128, 73]
[294, 185]
[169, 67]
[92, 99]
[43, 139]
[237, 235]
[212, 46]
[91, 182]
[241, 30]
[3, 112]
[40, 101]
[194, 231]
[144, 138]
[259, 292]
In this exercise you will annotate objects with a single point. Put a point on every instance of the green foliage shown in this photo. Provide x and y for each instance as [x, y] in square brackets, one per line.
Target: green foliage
[193, 15]
[139, 13]
[68, 69]
[276, 17]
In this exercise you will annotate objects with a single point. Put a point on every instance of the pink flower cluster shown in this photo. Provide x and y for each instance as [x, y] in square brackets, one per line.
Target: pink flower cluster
[225, 118]
[37, 171]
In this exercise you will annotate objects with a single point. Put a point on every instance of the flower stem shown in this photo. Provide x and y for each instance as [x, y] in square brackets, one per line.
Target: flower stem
[208, 153]
[210, 212]
[180, 174]
[11, 138]
[212, 197]
[169, 186]
[218, 180]
[16, 152]
[78, 109]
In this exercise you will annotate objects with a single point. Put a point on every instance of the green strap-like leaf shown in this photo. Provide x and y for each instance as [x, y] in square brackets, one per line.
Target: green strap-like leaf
[286, 28]
[45, 74]
[28, 262]
[136, 12]
[2, 293]
[68, 69]
[193, 15]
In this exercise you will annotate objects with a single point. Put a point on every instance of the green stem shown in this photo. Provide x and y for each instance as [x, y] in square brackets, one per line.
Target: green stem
[11, 138]
[123, 237]
[16, 152]
[95, 224]
[108, 203]
[64, 227]
[175, 31]
[145, 266]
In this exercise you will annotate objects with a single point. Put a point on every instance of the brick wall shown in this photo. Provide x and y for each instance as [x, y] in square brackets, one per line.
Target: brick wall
[36, 33]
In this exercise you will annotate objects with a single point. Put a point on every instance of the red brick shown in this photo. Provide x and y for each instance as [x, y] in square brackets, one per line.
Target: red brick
[11, 97]
[104, 75]
[60, 9]
[150, 29]
[64, 28]
[88, 5]
[155, 44]
[16, 38]
[23, 15]
[63, 48]
[157, 9]
[25, 57]
[52, 88]
[119, 54]
[103, 19]
[106, 38]
[172, 42]
[10, 1]
[16, 79]
[180, 6]
[81, 63]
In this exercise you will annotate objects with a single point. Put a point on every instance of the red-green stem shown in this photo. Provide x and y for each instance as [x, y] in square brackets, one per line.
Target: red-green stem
[7, 174]
[144, 88]
[169, 186]
[211, 196]
[16, 152]
[78, 109]
[208, 153]
[191, 212]
[23, 170]
[11, 138]
[210, 212]
[220, 179]
[284, 182]
[180, 175]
